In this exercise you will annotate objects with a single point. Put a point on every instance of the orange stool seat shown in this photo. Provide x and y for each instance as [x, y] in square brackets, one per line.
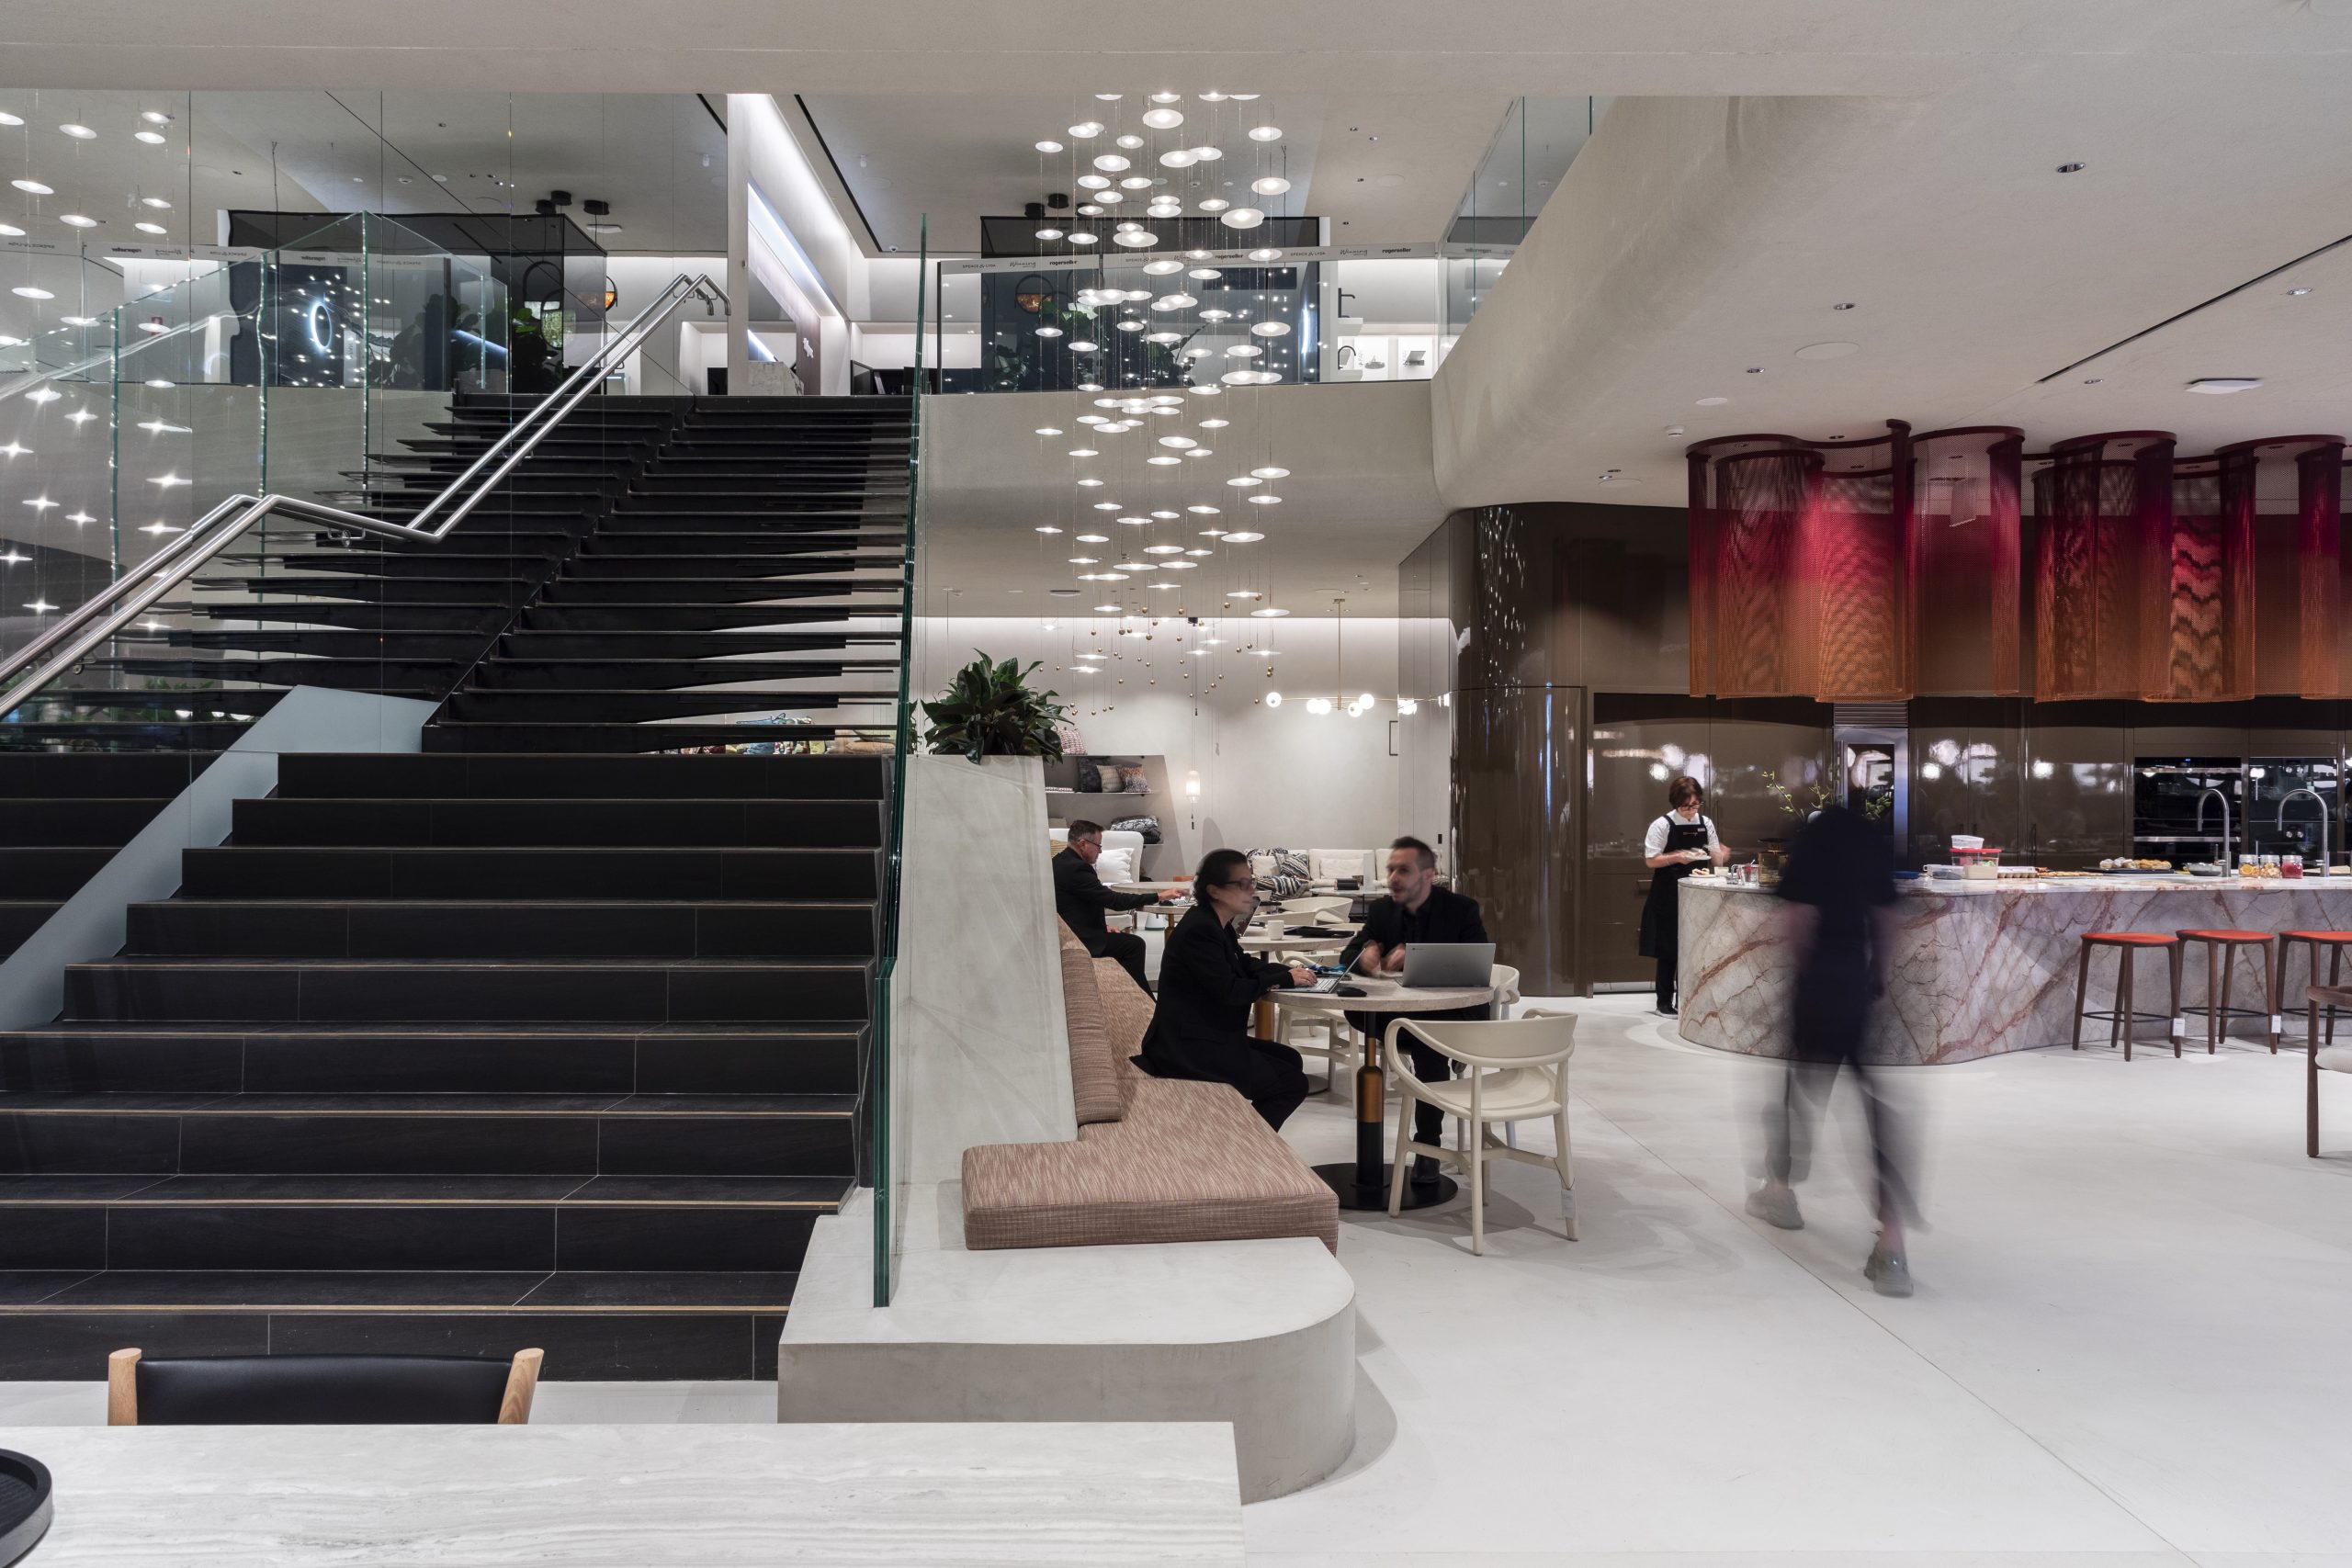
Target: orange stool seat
[2317, 936]
[2131, 939]
[2335, 943]
[2222, 947]
[2122, 1015]
[2224, 936]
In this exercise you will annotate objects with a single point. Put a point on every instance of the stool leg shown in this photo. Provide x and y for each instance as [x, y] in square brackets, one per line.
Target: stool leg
[2172, 1022]
[2225, 959]
[2082, 992]
[2334, 977]
[2270, 989]
[2123, 1000]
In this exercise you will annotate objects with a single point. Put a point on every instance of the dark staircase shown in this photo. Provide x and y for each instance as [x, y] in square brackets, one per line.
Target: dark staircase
[457, 1053]
[63, 815]
[534, 1038]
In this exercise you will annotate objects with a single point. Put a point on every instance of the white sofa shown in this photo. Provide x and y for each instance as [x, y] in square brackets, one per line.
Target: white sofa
[1330, 866]
[1122, 854]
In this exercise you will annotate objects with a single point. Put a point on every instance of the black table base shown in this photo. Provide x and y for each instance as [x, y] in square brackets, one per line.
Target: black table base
[1341, 1177]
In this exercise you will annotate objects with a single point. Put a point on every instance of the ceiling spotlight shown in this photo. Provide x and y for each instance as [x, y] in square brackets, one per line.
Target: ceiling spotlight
[1093, 538]
[10, 119]
[2217, 385]
[1134, 239]
[1083, 345]
[33, 187]
[1084, 452]
[1166, 516]
[1106, 609]
[1270, 185]
[1049, 146]
[1130, 141]
[1084, 560]
[1215, 424]
[1206, 155]
[1215, 204]
[1163, 549]
[2298, 291]
[152, 138]
[1090, 483]
[1163, 460]
[11, 231]
[154, 117]
[1136, 181]
[1240, 217]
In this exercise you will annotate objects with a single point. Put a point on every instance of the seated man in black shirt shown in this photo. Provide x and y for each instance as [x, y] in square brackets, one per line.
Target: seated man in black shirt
[1417, 910]
[1081, 900]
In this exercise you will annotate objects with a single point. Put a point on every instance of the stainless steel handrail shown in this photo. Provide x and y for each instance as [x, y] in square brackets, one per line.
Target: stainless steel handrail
[217, 529]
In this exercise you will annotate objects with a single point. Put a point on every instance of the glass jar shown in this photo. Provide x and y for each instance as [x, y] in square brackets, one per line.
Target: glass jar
[2290, 867]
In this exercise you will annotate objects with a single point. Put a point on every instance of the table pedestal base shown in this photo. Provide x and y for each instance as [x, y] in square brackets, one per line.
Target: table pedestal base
[1341, 1177]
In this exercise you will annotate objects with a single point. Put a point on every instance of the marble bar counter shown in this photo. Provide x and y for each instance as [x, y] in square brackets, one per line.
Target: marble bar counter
[950, 1495]
[1982, 967]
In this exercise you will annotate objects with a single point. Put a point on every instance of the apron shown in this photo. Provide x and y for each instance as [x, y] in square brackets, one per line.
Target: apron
[1660, 918]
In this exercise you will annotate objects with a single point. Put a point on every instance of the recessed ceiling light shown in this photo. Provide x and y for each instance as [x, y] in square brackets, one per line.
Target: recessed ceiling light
[1712, 402]
[78, 132]
[2093, 380]
[1063, 592]
[34, 187]
[2217, 385]
[2299, 291]
[1847, 306]
[2070, 168]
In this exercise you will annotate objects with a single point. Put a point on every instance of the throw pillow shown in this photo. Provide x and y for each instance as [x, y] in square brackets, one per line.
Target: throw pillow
[1115, 865]
[1148, 825]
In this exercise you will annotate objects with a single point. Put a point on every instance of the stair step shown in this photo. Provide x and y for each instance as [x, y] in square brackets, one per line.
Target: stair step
[202, 703]
[554, 874]
[505, 567]
[730, 565]
[118, 773]
[444, 1059]
[669, 821]
[524, 646]
[48, 871]
[87, 822]
[708, 590]
[168, 736]
[395, 673]
[498, 591]
[426, 1135]
[508, 672]
[516, 1293]
[469, 991]
[608, 543]
[447, 736]
[19, 917]
[363, 775]
[346, 645]
[381, 617]
[503, 1224]
[494, 706]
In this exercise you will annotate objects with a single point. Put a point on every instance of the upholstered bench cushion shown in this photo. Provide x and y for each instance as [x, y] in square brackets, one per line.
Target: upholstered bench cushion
[1190, 1162]
[1094, 1070]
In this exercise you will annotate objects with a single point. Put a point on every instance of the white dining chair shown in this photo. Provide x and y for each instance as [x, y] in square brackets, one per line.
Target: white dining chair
[1518, 1071]
[1505, 980]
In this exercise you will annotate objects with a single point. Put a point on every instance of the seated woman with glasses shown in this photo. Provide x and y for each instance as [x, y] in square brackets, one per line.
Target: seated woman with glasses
[1207, 986]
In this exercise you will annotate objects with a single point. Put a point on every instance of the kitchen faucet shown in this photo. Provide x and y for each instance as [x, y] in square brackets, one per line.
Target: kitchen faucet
[2323, 820]
[2225, 799]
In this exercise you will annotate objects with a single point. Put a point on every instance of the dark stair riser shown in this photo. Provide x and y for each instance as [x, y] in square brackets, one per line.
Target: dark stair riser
[496, 873]
[609, 824]
[40, 873]
[540, 1237]
[413, 775]
[380, 1059]
[619, 1344]
[543, 1144]
[387, 930]
[328, 992]
[496, 705]
[86, 822]
[511, 673]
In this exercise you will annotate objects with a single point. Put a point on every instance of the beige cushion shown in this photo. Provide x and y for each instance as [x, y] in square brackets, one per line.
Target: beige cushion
[1094, 1070]
[1190, 1162]
[1127, 1007]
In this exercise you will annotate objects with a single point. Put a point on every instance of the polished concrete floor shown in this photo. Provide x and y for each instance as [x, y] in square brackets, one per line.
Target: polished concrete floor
[2127, 1345]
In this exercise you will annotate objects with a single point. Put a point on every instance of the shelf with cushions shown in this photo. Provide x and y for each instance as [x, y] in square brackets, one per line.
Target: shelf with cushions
[1067, 802]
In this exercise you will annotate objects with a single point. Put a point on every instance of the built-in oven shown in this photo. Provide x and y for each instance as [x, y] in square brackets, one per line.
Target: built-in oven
[2175, 814]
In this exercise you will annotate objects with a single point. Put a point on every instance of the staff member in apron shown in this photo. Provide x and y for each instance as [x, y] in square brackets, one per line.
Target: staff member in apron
[1677, 844]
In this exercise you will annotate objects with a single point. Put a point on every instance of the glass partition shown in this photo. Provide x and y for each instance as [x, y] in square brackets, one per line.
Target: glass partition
[1525, 162]
[889, 1107]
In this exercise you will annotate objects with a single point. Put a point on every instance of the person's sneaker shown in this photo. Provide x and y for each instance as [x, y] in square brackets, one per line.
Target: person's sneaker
[1776, 1205]
[1425, 1172]
[1888, 1272]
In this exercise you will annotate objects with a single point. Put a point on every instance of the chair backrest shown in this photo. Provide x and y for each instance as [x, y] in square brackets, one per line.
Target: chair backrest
[1328, 866]
[1505, 979]
[1537, 1039]
[300, 1391]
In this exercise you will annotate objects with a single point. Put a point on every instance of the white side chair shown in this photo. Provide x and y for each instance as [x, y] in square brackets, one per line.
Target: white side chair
[1518, 1072]
[1300, 1029]
[1505, 980]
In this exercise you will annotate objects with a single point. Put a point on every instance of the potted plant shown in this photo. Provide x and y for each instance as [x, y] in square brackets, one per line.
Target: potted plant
[990, 710]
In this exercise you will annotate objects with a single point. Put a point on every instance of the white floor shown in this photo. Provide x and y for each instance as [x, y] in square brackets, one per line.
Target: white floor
[2128, 1345]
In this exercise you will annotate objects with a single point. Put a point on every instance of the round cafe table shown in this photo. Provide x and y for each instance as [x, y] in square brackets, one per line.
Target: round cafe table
[1362, 1183]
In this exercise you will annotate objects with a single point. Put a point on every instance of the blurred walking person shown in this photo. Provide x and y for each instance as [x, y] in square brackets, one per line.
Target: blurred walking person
[1838, 893]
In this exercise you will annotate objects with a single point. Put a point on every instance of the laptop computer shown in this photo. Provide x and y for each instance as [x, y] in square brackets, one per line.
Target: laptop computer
[1447, 964]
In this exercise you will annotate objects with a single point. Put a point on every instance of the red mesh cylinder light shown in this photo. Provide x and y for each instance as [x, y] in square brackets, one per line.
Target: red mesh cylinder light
[2102, 569]
[2282, 496]
[1968, 542]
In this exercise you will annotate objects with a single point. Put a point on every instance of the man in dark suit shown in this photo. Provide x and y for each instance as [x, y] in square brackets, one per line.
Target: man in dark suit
[1417, 910]
[1081, 900]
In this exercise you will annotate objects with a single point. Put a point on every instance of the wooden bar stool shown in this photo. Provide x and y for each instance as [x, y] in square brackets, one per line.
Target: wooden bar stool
[2222, 947]
[2335, 943]
[2122, 1017]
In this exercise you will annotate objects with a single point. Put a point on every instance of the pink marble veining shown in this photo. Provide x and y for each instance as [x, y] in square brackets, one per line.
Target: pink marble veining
[1982, 970]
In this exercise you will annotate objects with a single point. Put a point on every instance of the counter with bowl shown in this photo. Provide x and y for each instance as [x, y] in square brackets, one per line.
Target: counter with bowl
[1985, 962]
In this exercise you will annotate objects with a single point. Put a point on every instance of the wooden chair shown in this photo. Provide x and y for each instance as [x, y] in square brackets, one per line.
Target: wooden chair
[2319, 1057]
[295, 1391]
[1519, 1072]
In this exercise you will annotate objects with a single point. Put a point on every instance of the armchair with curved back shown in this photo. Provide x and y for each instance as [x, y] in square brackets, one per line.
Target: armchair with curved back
[1518, 1071]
